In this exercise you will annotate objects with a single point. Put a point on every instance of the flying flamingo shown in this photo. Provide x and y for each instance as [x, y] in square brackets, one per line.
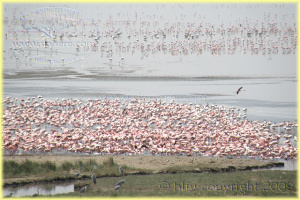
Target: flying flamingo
[237, 92]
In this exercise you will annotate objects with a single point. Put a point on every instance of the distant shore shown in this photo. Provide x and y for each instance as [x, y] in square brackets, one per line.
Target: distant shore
[114, 75]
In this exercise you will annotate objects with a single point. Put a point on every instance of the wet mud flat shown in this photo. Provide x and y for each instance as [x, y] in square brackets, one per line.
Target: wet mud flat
[40, 74]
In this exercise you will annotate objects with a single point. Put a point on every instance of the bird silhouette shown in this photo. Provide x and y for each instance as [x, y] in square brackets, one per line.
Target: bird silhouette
[78, 173]
[83, 189]
[238, 91]
[94, 178]
[9, 195]
[36, 194]
[121, 170]
[118, 184]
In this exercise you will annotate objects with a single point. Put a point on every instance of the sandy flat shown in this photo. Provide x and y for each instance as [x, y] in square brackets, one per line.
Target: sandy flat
[144, 162]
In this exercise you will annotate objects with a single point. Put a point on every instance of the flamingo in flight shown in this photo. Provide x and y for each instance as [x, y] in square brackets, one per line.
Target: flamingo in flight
[237, 92]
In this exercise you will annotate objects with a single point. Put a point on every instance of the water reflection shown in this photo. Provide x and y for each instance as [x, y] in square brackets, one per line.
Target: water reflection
[288, 165]
[45, 189]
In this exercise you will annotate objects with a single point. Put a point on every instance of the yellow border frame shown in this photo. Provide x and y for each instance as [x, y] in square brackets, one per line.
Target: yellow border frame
[149, 1]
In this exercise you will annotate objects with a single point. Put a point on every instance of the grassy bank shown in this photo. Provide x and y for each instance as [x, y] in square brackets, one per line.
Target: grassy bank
[26, 170]
[243, 183]
[190, 178]
[29, 171]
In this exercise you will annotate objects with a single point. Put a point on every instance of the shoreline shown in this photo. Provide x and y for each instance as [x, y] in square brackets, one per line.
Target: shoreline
[73, 73]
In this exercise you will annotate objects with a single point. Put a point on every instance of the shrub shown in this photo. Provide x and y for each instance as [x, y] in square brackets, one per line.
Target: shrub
[48, 166]
[67, 166]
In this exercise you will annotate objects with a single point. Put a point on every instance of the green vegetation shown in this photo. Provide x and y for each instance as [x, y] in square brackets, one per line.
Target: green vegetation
[14, 169]
[67, 166]
[172, 181]
[50, 170]
[243, 183]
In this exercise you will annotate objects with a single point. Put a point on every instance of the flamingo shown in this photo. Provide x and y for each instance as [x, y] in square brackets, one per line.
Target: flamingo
[238, 91]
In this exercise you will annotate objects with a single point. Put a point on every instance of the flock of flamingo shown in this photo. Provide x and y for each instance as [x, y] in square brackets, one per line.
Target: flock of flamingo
[138, 34]
[139, 126]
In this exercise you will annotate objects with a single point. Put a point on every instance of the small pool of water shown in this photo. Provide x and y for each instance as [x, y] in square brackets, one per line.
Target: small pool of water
[288, 165]
[45, 189]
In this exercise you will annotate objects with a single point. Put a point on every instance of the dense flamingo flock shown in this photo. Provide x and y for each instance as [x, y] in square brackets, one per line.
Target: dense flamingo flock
[139, 126]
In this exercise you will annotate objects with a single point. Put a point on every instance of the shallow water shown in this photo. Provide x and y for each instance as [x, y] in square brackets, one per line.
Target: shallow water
[288, 165]
[45, 189]
[159, 17]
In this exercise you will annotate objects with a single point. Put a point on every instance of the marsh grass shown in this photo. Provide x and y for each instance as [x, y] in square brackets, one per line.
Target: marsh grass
[14, 169]
[67, 166]
[50, 170]
[178, 181]
[246, 183]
